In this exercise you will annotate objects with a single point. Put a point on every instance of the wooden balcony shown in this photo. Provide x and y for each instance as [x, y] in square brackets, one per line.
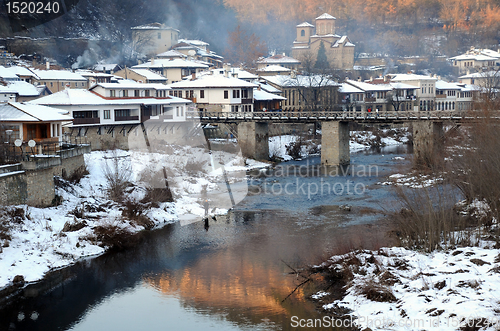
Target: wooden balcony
[86, 121]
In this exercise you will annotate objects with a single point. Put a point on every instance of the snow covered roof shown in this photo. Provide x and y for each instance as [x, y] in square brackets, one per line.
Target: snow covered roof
[70, 97]
[274, 68]
[20, 71]
[132, 84]
[325, 35]
[269, 88]
[172, 53]
[242, 74]
[7, 74]
[305, 25]
[194, 42]
[148, 74]
[58, 75]
[325, 16]
[484, 74]
[153, 26]
[105, 66]
[442, 85]
[478, 55]
[348, 88]
[410, 77]
[212, 81]
[300, 80]
[171, 63]
[87, 73]
[343, 40]
[263, 95]
[367, 87]
[402, 86]
[24, 89]
[25, 112]
[278, 58]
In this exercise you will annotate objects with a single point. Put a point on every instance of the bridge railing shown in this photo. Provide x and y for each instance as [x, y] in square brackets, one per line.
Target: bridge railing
[328, 115]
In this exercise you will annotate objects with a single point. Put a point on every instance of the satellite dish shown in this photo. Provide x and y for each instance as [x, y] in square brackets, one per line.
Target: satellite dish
[191, 52]
[18, 142]
[31, 143]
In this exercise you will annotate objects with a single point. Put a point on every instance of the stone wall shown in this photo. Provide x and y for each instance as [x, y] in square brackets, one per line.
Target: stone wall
[32, 182]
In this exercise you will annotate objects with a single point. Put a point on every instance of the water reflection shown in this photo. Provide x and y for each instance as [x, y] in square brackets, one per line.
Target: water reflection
[229, 275]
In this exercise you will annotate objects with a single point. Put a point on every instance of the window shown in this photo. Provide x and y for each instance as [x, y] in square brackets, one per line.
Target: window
[226, 94]
[86, 114]
[302, 33]
[177, 111]
[244, 94]
[202, 94]
[107, 114]
[236, 94]
[125, 93]
[136, 93]
[122, 113]
[146, 93]
[112, 93]
[159, 35]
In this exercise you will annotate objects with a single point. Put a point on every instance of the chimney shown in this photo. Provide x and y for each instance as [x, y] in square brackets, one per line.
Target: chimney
[226, 70]
[359, 78]
[193, 76]
[152, 61]
[47, 65]
[371, 78]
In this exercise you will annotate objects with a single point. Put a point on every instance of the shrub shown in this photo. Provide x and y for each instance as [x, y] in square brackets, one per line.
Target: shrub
[77, 175]
[117, 172]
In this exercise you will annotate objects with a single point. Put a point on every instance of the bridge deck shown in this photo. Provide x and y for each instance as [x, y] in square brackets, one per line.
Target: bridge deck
[310, 116]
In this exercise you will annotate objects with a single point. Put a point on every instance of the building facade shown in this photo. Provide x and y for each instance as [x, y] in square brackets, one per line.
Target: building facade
[339, 49]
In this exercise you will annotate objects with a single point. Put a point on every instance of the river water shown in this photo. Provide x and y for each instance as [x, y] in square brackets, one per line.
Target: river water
[230, 274]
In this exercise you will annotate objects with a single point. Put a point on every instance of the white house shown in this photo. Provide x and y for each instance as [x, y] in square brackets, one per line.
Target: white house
[425, 88]
[454, 96]
[118, 104]
[217, 93]
[476, 59]
[173, 69]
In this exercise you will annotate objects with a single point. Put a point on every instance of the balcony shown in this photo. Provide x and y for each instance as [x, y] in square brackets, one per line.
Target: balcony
[370, 99]
[126, 118]
[440, 96]
[86, 121]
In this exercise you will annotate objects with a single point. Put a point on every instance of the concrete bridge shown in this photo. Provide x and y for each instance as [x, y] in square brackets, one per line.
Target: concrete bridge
[253, 129]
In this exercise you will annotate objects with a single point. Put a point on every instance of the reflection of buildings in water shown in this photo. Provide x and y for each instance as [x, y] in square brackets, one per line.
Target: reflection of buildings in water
[230, 281]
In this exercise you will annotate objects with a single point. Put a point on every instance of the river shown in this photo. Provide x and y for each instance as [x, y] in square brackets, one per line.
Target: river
[230, 274]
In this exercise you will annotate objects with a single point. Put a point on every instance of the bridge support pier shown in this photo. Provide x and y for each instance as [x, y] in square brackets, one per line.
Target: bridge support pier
[427, 142]
[335, 143]
[253, 138]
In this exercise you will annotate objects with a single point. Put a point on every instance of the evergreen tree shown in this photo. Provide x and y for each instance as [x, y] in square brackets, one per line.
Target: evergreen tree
[321, 59]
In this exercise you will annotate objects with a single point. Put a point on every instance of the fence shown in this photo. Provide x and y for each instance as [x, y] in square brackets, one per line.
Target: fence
[10, 153]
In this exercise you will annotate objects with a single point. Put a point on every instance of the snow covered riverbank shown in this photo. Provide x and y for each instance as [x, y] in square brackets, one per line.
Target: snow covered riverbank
[399, 289]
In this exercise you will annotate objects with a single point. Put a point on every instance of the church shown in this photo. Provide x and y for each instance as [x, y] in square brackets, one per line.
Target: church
[339, 49]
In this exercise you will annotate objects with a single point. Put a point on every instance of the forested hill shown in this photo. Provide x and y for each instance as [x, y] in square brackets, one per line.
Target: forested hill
[393, 27]
[112, 19]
